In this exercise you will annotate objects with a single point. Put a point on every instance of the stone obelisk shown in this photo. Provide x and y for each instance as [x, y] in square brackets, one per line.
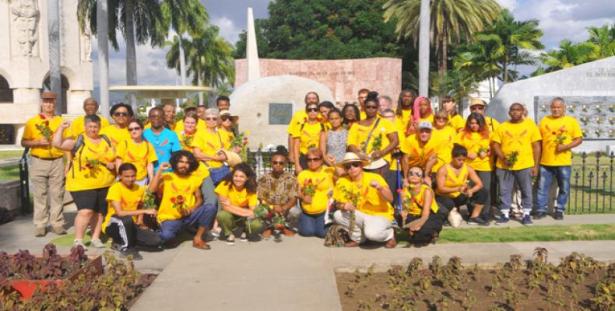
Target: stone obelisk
[254, 70]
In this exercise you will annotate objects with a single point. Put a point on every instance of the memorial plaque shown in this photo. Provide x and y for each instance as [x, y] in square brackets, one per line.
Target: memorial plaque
[596, 114]
[280, 113]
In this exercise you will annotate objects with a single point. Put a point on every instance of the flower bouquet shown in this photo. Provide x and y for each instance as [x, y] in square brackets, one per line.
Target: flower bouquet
[149, 200]
[483, 150]
[178, 202]
[309, 188]
[352, 197]
[188, 140]
[46, 131]
[240, 142]
[512, 158]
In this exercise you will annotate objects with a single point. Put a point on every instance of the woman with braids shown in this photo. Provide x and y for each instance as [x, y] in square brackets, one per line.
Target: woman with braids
[237, 196]
[421, 112]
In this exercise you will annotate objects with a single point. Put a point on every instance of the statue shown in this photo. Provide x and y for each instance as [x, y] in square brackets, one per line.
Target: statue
[25, 18]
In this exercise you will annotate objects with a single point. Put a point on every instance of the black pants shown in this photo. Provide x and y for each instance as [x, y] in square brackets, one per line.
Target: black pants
[432, 227]
[125, 233]
[447, 203]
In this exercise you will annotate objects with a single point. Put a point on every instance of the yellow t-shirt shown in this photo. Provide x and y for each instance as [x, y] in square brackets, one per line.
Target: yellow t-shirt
[564, 129]
[227, 138]
[211, 144]
[129, 199]
[474, 142]
[419, 155]
[189, 142]
[406, 117]
[453, 180]
[138, 154]
[115, 134]
[517, 137]
[428, 118]
[362, 114]
[492, 124]
[456, 122]
[322, 180]
[89, 169]
[77, 126]
[410, 201]
[357, 136]
[238, 198]
[179, 126]
[178, 192]
[368, 198]
[34, 129]
[444, 138]
[309, 136]
[295, 123]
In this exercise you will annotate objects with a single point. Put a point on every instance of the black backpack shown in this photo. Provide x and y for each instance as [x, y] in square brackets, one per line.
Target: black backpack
[78, 147]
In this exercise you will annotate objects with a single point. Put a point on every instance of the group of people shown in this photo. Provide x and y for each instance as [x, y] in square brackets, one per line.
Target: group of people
[366, 169]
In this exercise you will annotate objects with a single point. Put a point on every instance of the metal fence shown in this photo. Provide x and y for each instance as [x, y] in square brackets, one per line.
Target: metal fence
[591, 181]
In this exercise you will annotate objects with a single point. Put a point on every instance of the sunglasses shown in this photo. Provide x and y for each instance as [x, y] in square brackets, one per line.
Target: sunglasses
[132, 129]
[371, 107]
[313, 159]
[120, 114]
[415, 173]
[278, 162]
[353, 164]
[312, 110]
[211, 119]
[225, 118]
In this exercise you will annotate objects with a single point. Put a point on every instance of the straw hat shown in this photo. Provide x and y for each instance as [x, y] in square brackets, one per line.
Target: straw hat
[232, 158]
[228, 113]
[477, 102]
[351, 157]
[376, 164]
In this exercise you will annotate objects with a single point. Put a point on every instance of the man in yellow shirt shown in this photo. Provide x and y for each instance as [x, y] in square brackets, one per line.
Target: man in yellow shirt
[169, 109]
[403, 113]
[46, 168]
[517, 146]
[90, 107]
[479, 106]
[361, 98]
[560, 133]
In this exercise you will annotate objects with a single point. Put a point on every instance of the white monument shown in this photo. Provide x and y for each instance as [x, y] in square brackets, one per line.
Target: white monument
[24, 60]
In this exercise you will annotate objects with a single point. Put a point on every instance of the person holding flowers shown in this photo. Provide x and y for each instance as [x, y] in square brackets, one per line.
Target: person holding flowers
[91, 174]
[46, 168]
[190, 139]
[182, 203]
[125, 199]
[315, 184]
[309, 135]
[138, 152]
[517, 146]
[237, 196]
[420, 209]
[363, 202]
[560, 133]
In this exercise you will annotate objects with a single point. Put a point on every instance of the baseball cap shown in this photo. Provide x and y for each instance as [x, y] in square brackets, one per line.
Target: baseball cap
[425, 125]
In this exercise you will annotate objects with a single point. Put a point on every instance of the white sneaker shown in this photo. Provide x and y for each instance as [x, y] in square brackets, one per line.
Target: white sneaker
[243, 237]
[230, 239]
[80, 243]
[97, 243]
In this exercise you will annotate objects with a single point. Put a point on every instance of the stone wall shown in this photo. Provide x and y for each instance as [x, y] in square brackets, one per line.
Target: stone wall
[345, 77]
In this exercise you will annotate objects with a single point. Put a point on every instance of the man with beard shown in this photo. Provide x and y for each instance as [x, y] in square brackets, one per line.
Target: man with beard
[163, 139]
[300, 117]
[182, 202]
[403, 114]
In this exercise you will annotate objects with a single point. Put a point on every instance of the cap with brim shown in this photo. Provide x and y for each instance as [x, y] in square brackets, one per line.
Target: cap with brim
[351, 157]
[477, 102]
[48, 95]
[425, 125]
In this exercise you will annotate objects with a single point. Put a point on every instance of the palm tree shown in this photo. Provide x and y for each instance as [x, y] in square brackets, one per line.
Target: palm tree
[604, 38]
[569, 54]
[55, 53]
[452, 21]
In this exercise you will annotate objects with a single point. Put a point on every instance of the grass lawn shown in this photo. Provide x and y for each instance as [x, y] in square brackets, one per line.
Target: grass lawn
[9, 173]
[10, 154]
[529, 233]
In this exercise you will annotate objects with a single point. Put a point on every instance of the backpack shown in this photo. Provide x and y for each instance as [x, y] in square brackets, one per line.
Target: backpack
[337, 235]
[79, 144]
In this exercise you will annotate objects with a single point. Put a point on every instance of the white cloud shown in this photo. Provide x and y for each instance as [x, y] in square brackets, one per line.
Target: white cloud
[228, 29]
[508, 4]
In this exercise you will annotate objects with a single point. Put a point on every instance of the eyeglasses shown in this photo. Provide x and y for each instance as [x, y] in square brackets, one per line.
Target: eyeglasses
[415, 173]
[120, 114]
[313, 159]
[477, 108]
[353, 164]
[225, 118]
[371, 107]
[211, 119]
[132, 129]
[312, 110]
[278, 162]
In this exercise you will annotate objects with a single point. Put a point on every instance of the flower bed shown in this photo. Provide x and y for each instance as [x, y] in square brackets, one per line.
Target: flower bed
[577, 283]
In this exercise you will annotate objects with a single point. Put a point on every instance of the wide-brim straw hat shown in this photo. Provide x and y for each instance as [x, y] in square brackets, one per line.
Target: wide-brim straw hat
[351, 157]
[375, 164]
[232, 158]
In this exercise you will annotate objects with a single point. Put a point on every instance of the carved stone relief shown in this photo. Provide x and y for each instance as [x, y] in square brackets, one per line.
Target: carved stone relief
[24, 19]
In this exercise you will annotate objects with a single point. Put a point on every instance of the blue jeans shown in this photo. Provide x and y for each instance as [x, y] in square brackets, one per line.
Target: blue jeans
[312, 225]
[203, 216]
[562, 177]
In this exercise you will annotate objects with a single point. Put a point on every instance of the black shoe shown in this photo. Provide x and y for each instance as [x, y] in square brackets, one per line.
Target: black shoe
[558, 216]
[477, 221]
[131, 252]
[539, 215]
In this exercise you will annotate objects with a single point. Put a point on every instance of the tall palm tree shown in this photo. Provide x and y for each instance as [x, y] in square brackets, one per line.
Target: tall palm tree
[452, 21]
[569, 54]
[604, 38]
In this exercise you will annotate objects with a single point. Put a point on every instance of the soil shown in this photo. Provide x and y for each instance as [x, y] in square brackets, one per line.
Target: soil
[524, 286]
[145, 280]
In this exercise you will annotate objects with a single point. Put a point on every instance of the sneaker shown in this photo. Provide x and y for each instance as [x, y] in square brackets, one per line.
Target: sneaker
[539, 215]
[243, 237]
[130, 253]
[59, 230]
[230, 239]
[97, 243]
[502, 220]
[80, 243]
[215, 232]
[40, 232]
[527, 220]
[558, 216]
[477, 221]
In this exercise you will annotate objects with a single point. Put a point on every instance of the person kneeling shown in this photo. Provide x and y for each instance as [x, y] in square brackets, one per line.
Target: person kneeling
[363, 200]
[420, 210]
[182, 202]
[315, 183]
[453, 190]
[124, 198]
[237, 195]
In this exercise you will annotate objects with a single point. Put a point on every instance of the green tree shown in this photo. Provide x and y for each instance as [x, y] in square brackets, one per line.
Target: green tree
[452, 22]
[604, 38]
[569, 54]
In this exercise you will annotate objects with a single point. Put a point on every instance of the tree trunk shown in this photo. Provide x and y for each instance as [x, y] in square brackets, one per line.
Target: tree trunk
[200, 93]
[424, 48]
[55, 75]
[182, 61]
[443, 64]
[505, 68]
[102, 21]
[131, 51]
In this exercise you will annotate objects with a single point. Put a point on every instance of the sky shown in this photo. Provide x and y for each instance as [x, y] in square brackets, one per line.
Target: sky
[559, 19]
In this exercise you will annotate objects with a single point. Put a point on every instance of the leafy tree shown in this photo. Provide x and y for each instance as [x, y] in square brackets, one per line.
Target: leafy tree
[604, 38]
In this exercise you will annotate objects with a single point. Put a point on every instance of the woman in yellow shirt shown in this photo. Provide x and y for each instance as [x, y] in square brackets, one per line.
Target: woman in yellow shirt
[125, 199]
[139, 152]
[363, 202]
[458, 184]
[476, 138]
[455, 120]
[237, 196]
[309, 135]
[91, 174]
[315, 183]
[444, 137]
[420, 210]
[421, 112]
[118, 132]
